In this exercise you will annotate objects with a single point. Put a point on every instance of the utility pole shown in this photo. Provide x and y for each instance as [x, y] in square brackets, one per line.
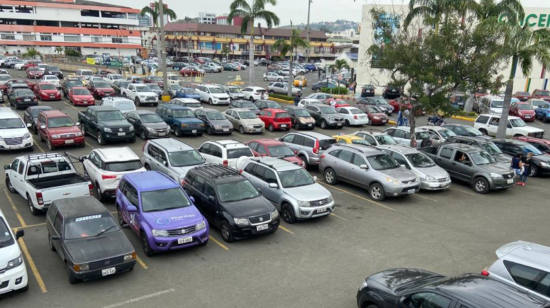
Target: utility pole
[163, 50]
[307, 28]
[187, 19]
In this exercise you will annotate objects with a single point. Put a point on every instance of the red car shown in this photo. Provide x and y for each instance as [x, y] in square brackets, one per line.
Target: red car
[58, 129]
[190, 71]
[154, 79]
[34, 73]
[376, 116]
[395, 104]
[46, 91]
[273, 148]
[339, 102]
[275, 119]
[542, 94]
[100, 89]
[524, 110]
[542, 144]
[80, 96]
[521, 95]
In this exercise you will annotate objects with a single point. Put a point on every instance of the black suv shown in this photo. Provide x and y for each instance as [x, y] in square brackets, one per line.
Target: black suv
[391, 92]
[53, 70]
[416, 288]
[367, 91]
[230, 202]
[541, 161]
[484, 144]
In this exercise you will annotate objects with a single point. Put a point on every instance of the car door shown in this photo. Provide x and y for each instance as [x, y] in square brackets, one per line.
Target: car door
[207, 153]
[399, 136]
[360, 177]
[92, 166]
[232, 117]
[429, 300]
[493, 126]
[58, 231]
[42, 123]
[269, 177]
[18, 181]
[132, 198]
[444, 159]
[314, 112]
[91, 123]
[210, 207]
[343, 164]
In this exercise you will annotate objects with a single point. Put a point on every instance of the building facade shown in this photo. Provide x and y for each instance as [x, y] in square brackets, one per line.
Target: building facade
[222, 20]
[86, 26]
[207, 18]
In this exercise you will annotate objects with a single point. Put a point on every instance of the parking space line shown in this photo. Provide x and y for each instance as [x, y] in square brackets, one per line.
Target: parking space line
[137, 299]
[89, 144]
[465, 192]
[36, 143]
[138, 259]
[285, 229]
[33, 267]
[357, 196]
[70, 105]
[423, 197]
[19, 217]
[218, 242]
[31, 226]
[332, 214]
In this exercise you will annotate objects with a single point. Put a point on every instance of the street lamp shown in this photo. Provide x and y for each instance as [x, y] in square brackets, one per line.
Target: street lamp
[187, 19]
[307, 28]
[163, 50]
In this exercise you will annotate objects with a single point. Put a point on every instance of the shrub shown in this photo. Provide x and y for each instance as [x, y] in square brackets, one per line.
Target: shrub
[339, 90]
[282, 96]
[72, 53]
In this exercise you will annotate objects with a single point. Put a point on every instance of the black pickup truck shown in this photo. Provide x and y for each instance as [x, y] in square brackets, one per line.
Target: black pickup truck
[106, 124]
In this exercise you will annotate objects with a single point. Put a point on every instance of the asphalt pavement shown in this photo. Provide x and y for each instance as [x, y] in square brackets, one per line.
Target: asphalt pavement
[317, 263]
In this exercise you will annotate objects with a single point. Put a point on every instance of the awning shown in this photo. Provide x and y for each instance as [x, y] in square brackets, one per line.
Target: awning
[239, 41]
[170, 37]
[206, 38]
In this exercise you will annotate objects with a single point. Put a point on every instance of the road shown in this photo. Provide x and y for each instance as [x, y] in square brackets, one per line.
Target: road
[317, 263]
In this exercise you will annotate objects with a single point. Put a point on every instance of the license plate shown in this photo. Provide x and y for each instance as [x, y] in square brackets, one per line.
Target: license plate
[309, 125]
[108, 271]
[527, 116]
[284, 125]
[52, 96]
[510, 181]
[411, 191]
[262, 227]
[162, 134]
[27, 100]
[226, 129]
[322, 210]
[69, 141]
[194, 131]
[122, 134]
[184, 240]
[383, 121]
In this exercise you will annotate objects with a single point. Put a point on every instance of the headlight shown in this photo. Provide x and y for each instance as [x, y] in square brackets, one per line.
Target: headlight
[202, 124]
[496, 176]
[376, 117]
[81, 267]
[543, 164]
[330, 199]
[108, 130]
[15, 262]
[330, 119]
[301, 120]
[150, 129]
[183, 125]
[55, 136]
[274, 215]
[201, 225]
[303, 203]
[160, 233]
[363, 285]
[429, 178]
[130, 256]
[217, 127]
[26, 136]
[131, 128]
[393, 181]
[249, 125]
[241, 221]
[78, 134]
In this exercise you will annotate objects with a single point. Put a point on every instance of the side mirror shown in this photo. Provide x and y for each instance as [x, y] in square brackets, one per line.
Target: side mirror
[131, 208]
[77, 124]
[192, 199]
[7, 167]
[273, 185]
[29, 125]
[211, 198]
[315, 179]
[19, 233]
[42, 126]
[366, 167]
[55, 238]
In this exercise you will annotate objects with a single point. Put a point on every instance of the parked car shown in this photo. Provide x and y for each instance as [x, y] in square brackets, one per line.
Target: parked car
[273, 148]
[540, 162]
[308, 146]
[377, 102]
[212, 94]
[325, 116]
[438, 134]
[542, 112]
[192, 71]
[80, 96]
[337, 102]
[303, 103]
[535, 102]
[86, 73]
[14, 275]
[51, 79]
[245, 120]
[521, 95]
[486, 145]
[156, 89]
[254, 93]
[53, 70]
[298, 80]
[488, 125]
[275, 119]
[140, 94]
[181, 119]
[281, 88]
[353, 116]
[402, 134]
[465, 130]
[30, 116]
[367, 90]
[100, 89]
[273, 76]
[58, 129]
[244, 104]
[300, 118]
[72, 223]
[14, 133]
[119, 85]
[391, 92]
[123, 104]
[318, 96]
[110, 78]
[350, 139]
[19, 98]
[106, 124]
[230, 202]
[154, 80]
[542, 144]
[214, 121]
[34, 73]
[188, 93]
[375, 115]
[148, 124]
[69, 83]
[235, 92]
[368, 168]
[224, 152]
[541, 94]
[190, 103]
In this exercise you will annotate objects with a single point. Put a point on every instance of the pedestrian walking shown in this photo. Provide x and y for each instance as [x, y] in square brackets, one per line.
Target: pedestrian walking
[333, 103]
[300, 84]
[406, 115]
[400, 117]
[318, 74]
[517, 166]
[296, 99]
[527, 161]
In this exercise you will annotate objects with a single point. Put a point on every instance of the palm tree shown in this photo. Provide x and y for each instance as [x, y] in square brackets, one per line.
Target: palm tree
[31, 53]
[338, 66]
[154, 12]
[225, 51]
[290, 47]
[489, 8]
[240, 8]
[434, 12]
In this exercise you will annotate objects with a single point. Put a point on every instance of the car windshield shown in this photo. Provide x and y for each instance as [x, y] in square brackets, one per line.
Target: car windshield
[185, 158]
[88, 226]
[155, 78]
[236, 191]
[491, 148]
[423, 135]
[154, 87]
[183, 113]
[172, 198]
[280, 115]
[214, 90]
[497, 104]
[20, 93]
[4, 78]
[110, 115]
[143, 89]
[373, 110]
[125, 106]
[101, 85]
[150, 118]
[544, 93]
[215, 115]
[420, 160]
[247, 115]
[328, 110]
[130, 165]
[86, 73]
[355, 111]
[360, 141]
[5, 235]
[122, 84]
[175, 87]
[60, 122]
[525, 107]
[473, 131]
[382, 162]
[234, 90]
[537, 103]
[446, 133]
[52, 68]
[482, 158]
[11, 123]
[189, 91]
[248, 105]
[273, 105]
[517, 123]
[528, 148]
[280, 151]
[236, 153]
[35, 112]
[116, 77]
[295, 178]
[301, 113]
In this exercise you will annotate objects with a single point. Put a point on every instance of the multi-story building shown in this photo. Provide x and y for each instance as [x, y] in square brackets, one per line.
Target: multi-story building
[207, 18]
[222, 20]
[87, 26]
[208, 40]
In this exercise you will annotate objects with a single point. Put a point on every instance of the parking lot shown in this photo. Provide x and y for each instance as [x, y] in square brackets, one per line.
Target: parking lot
[317, 263]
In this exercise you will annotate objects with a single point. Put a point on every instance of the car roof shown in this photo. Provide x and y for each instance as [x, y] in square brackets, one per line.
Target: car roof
[186, 100]
[174, 106]
[102, 108]
[40, 107]
[462, 147]
[210, 109]
[240, 109]
[217, 173]
[171, 144]
[118, 99]
[470, 138]
[276, 110]
[79, 207]
[400, 148]
[496, 116]
[350, 137]
[7, 113]
[313, 135]
[54, 113]
[117, 154]
[150, 180]
[226, 143]
[529, 253]
[267, 141]
[276, 163]
[513, 141]
[364, 149]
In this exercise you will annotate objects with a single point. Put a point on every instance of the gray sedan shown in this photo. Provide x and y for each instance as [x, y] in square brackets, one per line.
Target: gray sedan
[148, 124]
[245, 120]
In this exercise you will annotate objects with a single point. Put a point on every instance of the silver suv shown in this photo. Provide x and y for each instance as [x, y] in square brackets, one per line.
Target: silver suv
[308, 146]
[171, 157]
[369, 168]
[292, 189]
[523, 264]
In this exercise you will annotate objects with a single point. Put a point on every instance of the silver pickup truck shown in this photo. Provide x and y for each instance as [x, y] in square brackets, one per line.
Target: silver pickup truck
[43, 178]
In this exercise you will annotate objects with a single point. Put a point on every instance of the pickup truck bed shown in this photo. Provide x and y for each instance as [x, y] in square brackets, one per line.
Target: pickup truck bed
[57, 181]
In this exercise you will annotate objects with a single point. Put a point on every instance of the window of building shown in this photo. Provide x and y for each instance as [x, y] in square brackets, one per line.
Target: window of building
[72, 38]
[89, 13]
[7, 36]
[46, 37]
[29, 37]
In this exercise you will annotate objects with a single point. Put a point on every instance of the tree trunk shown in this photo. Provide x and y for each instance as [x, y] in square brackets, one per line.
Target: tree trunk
[290, 75]
[251, 55]
[412, 125]
[503, 123]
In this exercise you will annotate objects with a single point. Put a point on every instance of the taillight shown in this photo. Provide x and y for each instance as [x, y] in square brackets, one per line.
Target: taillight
[91, 189]
[182, 182]
[323, 156]
[485, 273]
[17, 99]
[39, 198]
[105, 177]
[355, 117]
[316, 148]
[225, 163]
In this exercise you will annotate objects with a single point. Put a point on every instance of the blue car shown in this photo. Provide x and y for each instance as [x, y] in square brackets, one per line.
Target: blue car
[188, 93]
[543, 112]
[181, 120]
[310, 67]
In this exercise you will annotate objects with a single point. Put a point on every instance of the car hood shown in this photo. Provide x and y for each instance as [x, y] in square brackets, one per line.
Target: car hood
[529, 129]
[13, 133]
[111, 244]
[50, 91]
[252, 121]
[121, 123]
[64, 130]
[220, 95]
[158, 125]
[396, 280]
[380, 115]
[502, 158]
[336, 116]
[249, 207]
[542, 158]
[86, 97]
[496, 110]
[189, 120]
[147, 94]
[401, 174]
[9, 253]
[220, 122]
[496, 168]
[524, 112]
[435, 171]
[182, 171]
[174, 219]
[308, 193]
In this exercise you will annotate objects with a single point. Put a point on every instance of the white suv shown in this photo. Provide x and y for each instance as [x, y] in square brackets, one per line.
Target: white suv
[488, 125]
[123, 104]
[212, 94]
[225, 152]
[13, 272]
[52, 79]
[14, 134]
[254, 93]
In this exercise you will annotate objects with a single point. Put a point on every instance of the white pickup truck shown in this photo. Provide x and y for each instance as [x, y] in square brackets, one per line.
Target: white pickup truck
[141, 94]
[43, 178]
[111, 78]
[173, 79]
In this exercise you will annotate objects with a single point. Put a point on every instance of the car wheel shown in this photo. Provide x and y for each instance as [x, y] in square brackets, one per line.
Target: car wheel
[145, 245]
[209, 130]
[241, 129]
[346, 123]
[376, 192]
[177, 131]
[100, 139]
[10, 187]
[147, 167]
[138, 102]
[98, 193]
[481, 186]
[323, 124]
[210, 101]
[120, 218]
[483, 131]
[225, 229]
[143, 134]
[534, 171]
[271, 128]
[330, 176]
[288, 214]
[50, 243]
[34, 211]
[51, 147]
[72, 278]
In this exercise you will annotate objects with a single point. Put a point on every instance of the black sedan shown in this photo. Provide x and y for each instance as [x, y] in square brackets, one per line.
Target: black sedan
[367, 91]
[31, 116]
[148, 124]
[541, 161]
[22, 97]
[391, 92]
[53, 70]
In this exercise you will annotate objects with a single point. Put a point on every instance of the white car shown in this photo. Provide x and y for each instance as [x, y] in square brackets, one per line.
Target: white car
[488, 125]
[111, 78]
[141, 94]
[439, 133]
[13, 274]
[51, 79]
[19, 66]
[281, 88]
[190, 103]
[14, 134]
[105, 168]
[4, 78]
[173, 79]
[319, 96]
[224, 152]
[493, 104]
[123, 104]
[272, 76]
[353, 116]
[254, 93]
[43, 66]
[308, 101]
[212, 94]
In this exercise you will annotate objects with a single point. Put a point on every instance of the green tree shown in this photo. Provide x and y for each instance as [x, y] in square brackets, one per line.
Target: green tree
[338, 66]
[250, 14]
[155, 12]
[58, 49]
[31, 53]
[225, 51]
[291, 47]
[436, 12]
[491, 9]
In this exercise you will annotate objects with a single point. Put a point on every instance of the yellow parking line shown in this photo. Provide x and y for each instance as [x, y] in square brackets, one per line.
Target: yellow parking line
[357, 196]
[19, 217]
[218, 242]
[88, 144]
[30, 226]
[285, 229]
[70, 105]
[332, 214]
[138, 259]
[420, 196]
[465, 192]
[33, 267]
[36, 143]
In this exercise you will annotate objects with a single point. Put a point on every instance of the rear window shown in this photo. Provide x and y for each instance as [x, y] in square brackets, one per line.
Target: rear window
[282, 115]
[482, 119]
[236, 153]
[327, 143]
[123, 166]
[524, 275]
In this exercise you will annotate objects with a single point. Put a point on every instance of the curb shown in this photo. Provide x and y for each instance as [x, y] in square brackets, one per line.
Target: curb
[463, 118]
[278, 100]
[392, 122]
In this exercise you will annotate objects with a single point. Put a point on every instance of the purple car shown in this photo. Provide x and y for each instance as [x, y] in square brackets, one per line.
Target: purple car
[159, 211]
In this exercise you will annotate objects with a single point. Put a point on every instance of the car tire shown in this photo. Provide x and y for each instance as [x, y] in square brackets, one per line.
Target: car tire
[296, 126]
[346, 123]
[376, 192]
[330, 176]
[225, 230]
[323, 124]
[534, 171]
[483, 131]
[72, 279]
[50, 243]
[209, 130]
[177, 131]
[271, 128]
[120, 218]
[51, 147]
[287, 212]
[147, 167]
[143, 134]
[241, 129]
[10, 186]
[145, 245]
[97, 192]
[100, 139]
[137, 101]
[481, 185]
[34, 211]
[210, 101]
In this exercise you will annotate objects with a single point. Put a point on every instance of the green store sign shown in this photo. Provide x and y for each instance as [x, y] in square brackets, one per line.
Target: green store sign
[533, 20]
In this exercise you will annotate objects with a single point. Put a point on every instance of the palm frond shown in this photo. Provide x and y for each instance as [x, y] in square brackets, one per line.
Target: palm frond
[239, 4]
[270, 18]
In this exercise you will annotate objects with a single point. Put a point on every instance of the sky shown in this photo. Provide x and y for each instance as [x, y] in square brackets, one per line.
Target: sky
[287, 10]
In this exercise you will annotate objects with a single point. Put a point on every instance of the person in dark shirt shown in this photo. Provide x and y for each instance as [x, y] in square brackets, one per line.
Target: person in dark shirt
[527, 161]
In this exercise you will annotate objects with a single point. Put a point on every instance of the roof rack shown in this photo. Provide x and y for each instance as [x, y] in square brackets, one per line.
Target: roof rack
[370, 130]
[225, 145]
[41, 156]
[216, 170]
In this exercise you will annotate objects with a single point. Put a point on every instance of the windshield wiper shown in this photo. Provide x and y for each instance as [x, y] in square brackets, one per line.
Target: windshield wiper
[102, 232]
